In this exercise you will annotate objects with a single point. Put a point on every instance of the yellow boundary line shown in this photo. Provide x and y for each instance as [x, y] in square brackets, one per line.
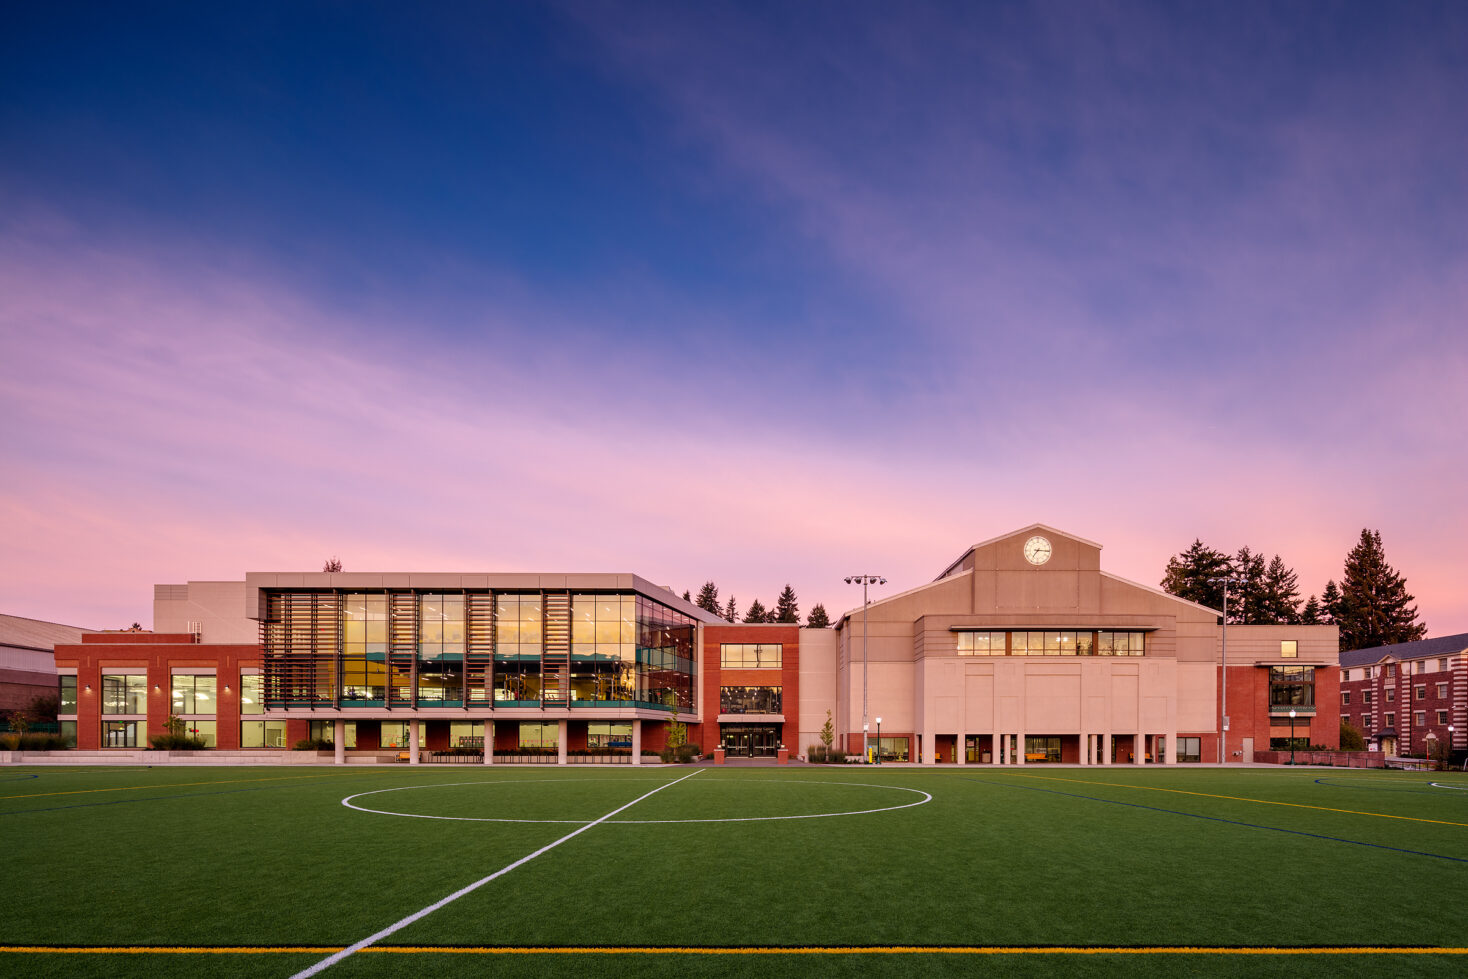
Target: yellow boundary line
[749, 950]
[1238, 798]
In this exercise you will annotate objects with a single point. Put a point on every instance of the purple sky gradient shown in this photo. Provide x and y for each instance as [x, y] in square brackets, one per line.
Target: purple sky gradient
[835, 294]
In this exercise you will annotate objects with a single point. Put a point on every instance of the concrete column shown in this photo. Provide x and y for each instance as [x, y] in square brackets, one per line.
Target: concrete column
[339, 739]
[1172, 748]
[930, 748]
[1019, 748]
[1139, 749]
[994, 749]
[636, 741]
[489, 742]
[561, 742]
[1085, 749]
[1106, 748]
[960, 753]
[413, 741]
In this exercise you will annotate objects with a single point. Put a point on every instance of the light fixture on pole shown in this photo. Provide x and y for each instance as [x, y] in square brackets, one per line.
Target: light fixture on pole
[866, 743]
[879, 739]
[864, 580]
[1223, 681]
[1292, 735]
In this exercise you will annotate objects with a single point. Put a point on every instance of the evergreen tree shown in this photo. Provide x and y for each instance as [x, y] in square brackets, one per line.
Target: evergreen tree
[731, 611]
[818, 619]
[708, 598]
[1195, 575]
[687, 595]
[332, 565]
[756, 612]
[1330, 603]
[1248, 604]
[1375, 607]
[785, 608]
[1281, 594]
[1312, 614]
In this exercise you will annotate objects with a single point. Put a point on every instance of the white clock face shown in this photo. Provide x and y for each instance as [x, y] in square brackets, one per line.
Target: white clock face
[1037, 550]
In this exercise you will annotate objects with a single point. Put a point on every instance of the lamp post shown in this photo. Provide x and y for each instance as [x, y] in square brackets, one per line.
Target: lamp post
[1447, 758]
[1427, 741]
[1292, 735]
[866, 743]
[879, 739]
[864, 580]
[1223, 712]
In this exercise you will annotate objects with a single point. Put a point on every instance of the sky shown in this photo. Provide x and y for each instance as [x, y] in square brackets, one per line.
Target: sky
[761, 293]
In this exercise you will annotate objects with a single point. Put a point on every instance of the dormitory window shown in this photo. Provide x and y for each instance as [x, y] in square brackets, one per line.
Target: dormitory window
[1345, 697]
[1419, 717]
[1391, 719]
[1366, 696]
[1366, 722]
[1391, 694]
[1442, 717]
[1420, 692]
[1442, 691]
[1391, 670]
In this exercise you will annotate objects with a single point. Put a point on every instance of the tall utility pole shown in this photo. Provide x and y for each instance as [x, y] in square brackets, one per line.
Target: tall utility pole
[864, 580]
[1223, 679]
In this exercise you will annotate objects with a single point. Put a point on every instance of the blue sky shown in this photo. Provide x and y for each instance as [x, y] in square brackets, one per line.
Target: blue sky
[761, 292]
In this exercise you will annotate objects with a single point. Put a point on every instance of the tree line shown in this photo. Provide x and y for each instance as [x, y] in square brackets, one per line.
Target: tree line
[786, 608]
[1371, 605]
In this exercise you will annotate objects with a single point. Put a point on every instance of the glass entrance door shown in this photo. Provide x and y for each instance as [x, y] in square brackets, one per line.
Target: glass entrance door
[750, 740]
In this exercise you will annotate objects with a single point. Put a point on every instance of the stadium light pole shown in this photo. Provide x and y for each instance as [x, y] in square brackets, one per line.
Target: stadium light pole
[864, 580]
[1223, 712]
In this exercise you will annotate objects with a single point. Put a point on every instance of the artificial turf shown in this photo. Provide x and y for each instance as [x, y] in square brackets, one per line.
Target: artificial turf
[1045, 856]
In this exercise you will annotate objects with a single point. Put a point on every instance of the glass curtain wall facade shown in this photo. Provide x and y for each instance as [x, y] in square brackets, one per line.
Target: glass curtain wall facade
[503, 649]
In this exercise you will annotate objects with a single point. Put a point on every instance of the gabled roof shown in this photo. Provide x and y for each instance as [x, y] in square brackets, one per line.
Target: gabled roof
[1014, 533]
[36, 634]
[1421, 649]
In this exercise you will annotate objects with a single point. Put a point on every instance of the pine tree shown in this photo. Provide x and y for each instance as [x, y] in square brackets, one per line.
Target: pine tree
[1248, 606]
[708, 598]
[1330, 603]
[1195, 575]
[1375, 607]
[786, 610]
[1313, 613]
[687, 595]
[1281, 594]
[756, 612]
[731, 611]
[332, 565]
[818, 619]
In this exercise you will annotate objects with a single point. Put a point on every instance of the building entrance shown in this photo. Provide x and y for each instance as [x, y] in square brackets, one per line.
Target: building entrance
[750, 740]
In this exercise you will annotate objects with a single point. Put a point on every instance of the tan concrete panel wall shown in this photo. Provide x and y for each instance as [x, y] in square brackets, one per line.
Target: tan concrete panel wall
[1197, 697]
[218, 607]
[893, 692]
[1254, 643]
[1037, 589]
[817, 684]
[1053, 700]
[1125, 706]
[978, 695]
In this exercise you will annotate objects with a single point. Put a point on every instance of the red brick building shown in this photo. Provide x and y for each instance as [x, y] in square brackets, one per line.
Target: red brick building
[1404, 696]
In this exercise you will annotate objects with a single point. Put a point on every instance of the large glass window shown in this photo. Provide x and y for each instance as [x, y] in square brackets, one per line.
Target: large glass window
[518, 643]
[750, 700]
[609, 734]
[66, 694]
[120, 734]
[203, 730]
[124, 693]
[394, 734]
[1119, 643]
[466, 734]
[604, 648]
[751, 655]
[68, 733]
[665, 658]
[893, 749]
[193, 694]
[251, 701]
[1292, 686]
[539, 734]
[262, 734]
[1189, 749]
[1042, 748]
[441, 650]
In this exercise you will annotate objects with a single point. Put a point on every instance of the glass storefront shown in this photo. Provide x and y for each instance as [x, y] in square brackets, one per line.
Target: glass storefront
[750, 740]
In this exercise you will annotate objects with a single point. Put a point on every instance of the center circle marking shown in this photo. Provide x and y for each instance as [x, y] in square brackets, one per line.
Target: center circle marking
[926, 798]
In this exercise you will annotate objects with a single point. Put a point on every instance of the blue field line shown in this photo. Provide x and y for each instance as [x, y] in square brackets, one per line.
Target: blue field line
[1220, 819]
[20, 778]
[124, 802]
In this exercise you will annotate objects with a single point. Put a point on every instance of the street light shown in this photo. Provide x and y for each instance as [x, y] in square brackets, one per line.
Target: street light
[866, 743]
[1223, 713]
[879, 740]
[864, 580]
[1292, 735]
[1447, 758]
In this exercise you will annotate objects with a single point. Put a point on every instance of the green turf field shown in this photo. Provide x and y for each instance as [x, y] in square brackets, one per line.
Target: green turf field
[683, 871]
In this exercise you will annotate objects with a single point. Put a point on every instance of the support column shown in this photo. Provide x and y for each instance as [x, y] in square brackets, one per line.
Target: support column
[561, 742]
[960, 752]
[489, 742]
[1172, 748]
[1019, 748]
[930, 748]
[636, 741]
[996, 749]
[413, 741]
[339, 739]
[1139, 749]
[1106, 748]
[1085, 749]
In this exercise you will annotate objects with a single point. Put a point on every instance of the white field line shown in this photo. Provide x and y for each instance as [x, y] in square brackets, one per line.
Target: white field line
[331, 960]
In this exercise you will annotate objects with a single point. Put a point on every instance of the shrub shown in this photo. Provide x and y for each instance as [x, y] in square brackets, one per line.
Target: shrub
[1351, 738]
[170, 741]
[681, 753]
[315, 744]
[816, 754]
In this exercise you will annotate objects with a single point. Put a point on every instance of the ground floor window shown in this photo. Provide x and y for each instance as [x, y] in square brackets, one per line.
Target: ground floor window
[1189, 749]
[1286, 743]
[609, 734]
[466, 734]
[120, 734]
[394, 734]
[978, 748]
[539, 734]
[893, 749]
[1042, 748]
[262, 734]
[68, 733]
[201, 729]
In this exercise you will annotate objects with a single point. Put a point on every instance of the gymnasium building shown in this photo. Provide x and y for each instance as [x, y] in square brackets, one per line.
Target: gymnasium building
[1022, 651]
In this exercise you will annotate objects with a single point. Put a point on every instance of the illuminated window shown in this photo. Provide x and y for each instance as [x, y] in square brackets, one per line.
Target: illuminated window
[751, 655]
[193, 694]
[1289, 648]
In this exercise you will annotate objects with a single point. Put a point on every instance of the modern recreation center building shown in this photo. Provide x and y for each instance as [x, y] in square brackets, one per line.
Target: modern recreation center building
[1021, 651]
